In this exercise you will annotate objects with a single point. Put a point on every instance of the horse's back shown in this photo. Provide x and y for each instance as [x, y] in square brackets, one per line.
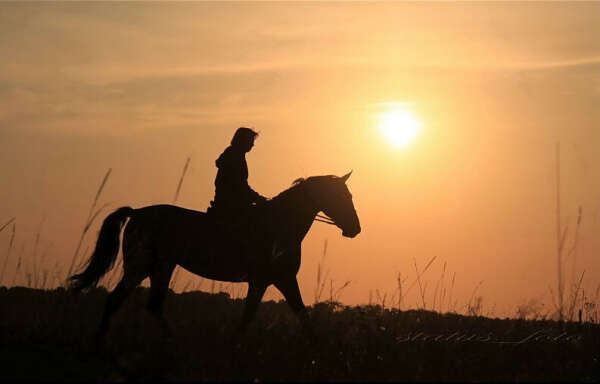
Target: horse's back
[166, 210]
[168, 220]
[188, 238]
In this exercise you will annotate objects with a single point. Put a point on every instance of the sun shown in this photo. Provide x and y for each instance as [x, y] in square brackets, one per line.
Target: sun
[399, 127]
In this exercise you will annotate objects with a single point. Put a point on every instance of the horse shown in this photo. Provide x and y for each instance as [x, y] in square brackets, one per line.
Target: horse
[158, 237]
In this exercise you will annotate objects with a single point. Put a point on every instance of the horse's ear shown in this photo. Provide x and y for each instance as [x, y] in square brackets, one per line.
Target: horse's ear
[346, 176]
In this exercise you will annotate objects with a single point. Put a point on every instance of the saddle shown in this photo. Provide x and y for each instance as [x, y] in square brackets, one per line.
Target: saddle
[242, 222]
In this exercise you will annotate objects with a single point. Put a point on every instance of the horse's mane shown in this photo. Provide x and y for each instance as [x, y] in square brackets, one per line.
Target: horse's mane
[298, 183]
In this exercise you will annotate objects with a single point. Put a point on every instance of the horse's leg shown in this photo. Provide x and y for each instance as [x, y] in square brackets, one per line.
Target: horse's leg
[256, 292]
[130, 280]
[288, 286]
[160, 276]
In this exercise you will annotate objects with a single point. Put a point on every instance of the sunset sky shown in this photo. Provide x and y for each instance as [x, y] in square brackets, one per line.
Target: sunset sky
[139, 87]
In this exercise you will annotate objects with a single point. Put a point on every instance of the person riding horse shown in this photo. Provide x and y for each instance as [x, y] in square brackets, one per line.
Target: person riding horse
[233, 196]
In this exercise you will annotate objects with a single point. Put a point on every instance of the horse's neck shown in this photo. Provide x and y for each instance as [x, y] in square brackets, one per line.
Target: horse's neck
[298, 211]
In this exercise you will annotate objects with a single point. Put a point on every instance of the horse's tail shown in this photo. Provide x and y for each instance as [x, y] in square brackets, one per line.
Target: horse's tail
[105, 253]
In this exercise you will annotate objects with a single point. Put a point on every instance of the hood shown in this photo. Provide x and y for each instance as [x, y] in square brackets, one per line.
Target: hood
[219, 161]
[228, 155]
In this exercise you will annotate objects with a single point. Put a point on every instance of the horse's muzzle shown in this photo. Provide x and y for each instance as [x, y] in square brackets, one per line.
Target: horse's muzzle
[351, 233]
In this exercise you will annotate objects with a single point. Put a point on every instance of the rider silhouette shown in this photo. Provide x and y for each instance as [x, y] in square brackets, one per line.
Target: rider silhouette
[233, 196]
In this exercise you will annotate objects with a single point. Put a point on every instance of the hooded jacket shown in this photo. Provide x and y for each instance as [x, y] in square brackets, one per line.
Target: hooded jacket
[231, 183]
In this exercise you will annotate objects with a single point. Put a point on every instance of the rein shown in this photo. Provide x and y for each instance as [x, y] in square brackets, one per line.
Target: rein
[321, 218]
[324, 219]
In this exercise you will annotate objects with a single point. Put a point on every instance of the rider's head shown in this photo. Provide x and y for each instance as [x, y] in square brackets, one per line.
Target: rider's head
[244, 138]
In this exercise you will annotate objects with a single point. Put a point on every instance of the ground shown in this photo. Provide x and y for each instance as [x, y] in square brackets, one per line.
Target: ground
[47, 335]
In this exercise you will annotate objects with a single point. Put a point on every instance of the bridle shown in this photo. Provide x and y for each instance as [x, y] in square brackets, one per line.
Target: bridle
[324, 219]
[321, 218]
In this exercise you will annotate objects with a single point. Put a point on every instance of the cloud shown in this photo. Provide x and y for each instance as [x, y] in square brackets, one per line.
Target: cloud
[579, 63]
[89, 65]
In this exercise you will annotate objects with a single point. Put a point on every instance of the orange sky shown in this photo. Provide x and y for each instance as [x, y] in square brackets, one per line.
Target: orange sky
[139, 87]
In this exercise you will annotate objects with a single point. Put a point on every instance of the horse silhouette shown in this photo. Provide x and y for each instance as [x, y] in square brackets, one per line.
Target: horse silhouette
[266, 251]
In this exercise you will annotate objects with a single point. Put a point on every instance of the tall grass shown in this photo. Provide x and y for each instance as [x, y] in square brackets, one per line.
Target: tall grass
[421, 289]
[19, 263]
[574, 297]
[7, 223]
[450, 294]
[321, 275]
[435, 291]
[175, 277]
[399, 283]
[185, 167]
[418, 279]
[561, 258]
[10, 245]
[474, 307]
[35, 251]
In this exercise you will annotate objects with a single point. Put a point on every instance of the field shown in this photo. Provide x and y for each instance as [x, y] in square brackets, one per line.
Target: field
[47, 334]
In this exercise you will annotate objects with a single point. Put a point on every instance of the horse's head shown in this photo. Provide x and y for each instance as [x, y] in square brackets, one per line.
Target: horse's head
[333, 198]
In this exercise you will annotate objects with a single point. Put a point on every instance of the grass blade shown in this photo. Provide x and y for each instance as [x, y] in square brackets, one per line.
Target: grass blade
[10, 246]
[185, 167]
[6, 225]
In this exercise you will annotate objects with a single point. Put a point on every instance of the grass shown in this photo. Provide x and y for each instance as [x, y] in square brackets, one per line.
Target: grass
[10, 245]
[185, 167]
[334, 293]
[558, 299]
[352, 343]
